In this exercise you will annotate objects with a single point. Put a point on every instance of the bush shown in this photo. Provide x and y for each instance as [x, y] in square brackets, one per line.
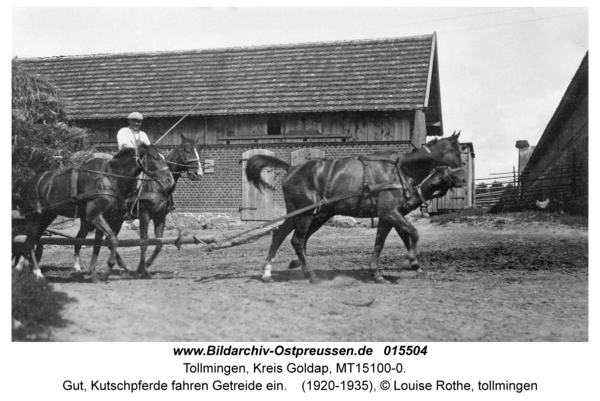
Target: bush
[43, 136]
[36, 307]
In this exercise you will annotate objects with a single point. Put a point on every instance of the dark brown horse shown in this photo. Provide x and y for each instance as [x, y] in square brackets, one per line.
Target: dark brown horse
[91, 191]
[388, 184]
[154, 203]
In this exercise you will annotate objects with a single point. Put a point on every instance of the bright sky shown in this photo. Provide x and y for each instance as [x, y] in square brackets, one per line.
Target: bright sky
[503, 71]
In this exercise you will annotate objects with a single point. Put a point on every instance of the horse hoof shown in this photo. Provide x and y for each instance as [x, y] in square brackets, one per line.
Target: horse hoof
[315, 280]
[267, 279]
[294, 264]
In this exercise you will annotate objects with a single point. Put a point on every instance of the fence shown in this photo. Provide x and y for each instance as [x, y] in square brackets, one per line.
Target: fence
[565, 187]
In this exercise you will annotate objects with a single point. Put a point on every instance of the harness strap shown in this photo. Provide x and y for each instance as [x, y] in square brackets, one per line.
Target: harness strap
[38, 203]
[329, 177]
[74, 178]
[366, 175]
[108, 170]
[327, 184]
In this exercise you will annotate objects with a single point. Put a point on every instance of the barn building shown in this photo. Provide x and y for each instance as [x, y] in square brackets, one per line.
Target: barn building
[296, 102]
[558, 166]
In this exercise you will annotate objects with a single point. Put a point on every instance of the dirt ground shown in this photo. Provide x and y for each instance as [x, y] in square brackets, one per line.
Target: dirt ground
[487, 280]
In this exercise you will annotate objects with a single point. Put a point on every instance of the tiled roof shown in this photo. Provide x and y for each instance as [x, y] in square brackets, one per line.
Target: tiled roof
[383, 74]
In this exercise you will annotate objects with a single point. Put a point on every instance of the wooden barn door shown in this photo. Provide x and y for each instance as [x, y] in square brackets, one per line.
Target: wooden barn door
[301, 155]
[257, 205]
[457, 198]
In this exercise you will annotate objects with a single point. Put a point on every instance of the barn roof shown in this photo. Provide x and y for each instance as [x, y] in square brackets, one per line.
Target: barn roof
[365, 75]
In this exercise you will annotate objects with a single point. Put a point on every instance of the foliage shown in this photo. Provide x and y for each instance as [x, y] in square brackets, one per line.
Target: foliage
[36, 307]
[43, 137]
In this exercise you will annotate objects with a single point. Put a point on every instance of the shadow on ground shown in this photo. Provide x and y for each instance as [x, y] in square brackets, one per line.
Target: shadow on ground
[36, 308]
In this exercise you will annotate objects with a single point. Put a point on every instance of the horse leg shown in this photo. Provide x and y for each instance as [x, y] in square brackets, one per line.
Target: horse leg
[104, 229]
[84, 229]
[383, 229]
[39, 250]
[279, 236]
[33, 249]
[159, 229]
[410, 236]
[19, 261]
[299, 244]
[315, 225]
[411, 247]
[144, 223]
[116, 226]
[96, 250]
[36, 268]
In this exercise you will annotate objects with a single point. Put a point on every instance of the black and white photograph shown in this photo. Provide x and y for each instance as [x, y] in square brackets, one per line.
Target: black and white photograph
[396, 175]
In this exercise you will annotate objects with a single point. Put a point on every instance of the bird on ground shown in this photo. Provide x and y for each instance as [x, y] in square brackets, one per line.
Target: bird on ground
[542, 205]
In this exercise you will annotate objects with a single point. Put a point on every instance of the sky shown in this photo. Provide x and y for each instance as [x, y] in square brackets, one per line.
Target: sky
[503, 71]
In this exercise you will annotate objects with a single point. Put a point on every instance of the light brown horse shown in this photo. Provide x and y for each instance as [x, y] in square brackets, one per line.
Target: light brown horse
[92, 192]
[389, 185]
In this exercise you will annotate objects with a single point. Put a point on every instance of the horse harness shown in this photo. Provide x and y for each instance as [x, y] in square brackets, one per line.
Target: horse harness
[368, 187]
[105, 170]
[156, 196]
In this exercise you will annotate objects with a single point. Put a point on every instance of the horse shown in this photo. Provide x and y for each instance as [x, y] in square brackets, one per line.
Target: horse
[91, 191]
[388, 185]
[153, 204]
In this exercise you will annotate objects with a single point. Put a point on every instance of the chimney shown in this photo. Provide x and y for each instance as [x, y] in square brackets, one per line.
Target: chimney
[525, 152]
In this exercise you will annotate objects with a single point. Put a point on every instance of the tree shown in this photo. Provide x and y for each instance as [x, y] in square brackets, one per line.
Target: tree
[43, 136]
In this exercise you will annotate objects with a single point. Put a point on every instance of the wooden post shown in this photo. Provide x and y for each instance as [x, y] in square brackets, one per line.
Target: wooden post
[514, 186]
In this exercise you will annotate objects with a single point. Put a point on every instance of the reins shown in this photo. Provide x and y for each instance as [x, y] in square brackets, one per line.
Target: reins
[435, 169]
[115, 175]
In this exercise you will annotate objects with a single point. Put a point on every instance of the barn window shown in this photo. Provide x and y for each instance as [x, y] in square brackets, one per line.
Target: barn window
[274, 125]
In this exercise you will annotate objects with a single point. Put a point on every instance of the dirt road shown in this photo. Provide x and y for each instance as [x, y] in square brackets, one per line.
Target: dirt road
[490, 280]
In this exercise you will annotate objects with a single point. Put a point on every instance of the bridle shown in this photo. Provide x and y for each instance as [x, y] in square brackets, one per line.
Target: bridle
[149, 173]
[187, 164]
[431, 174]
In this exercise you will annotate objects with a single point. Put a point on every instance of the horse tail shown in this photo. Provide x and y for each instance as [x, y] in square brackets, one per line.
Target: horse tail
[255, 165]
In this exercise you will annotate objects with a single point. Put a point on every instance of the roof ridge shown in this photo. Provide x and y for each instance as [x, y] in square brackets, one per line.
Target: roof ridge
[233, 48]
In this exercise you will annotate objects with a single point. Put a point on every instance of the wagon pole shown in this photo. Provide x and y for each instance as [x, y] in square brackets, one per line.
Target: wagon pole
[69, 241]
[229, 242]
[232, 241]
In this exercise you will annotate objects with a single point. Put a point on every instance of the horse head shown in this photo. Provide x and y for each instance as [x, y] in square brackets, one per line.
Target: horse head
[154, 165]
[446, 178]
[444, 151]
[186, 157]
